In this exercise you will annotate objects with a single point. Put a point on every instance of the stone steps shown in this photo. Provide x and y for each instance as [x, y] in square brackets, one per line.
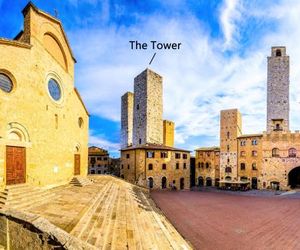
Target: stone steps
[24, 196]
[80, 181]
[124, 216]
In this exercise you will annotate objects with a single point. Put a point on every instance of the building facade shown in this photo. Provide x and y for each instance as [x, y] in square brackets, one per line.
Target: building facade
[99, 160]
[43, 122]
[151, 159]
[270, 160]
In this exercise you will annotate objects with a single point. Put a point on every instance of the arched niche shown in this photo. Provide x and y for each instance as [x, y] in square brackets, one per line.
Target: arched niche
[53, 46]
[17, 132]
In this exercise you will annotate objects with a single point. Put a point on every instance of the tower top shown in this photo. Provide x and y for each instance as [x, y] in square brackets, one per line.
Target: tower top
[277, 51]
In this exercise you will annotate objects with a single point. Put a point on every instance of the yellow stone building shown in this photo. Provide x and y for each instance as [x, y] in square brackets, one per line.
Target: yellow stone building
[148, 156]
[43, 122]
[270, 160]
[99, 160]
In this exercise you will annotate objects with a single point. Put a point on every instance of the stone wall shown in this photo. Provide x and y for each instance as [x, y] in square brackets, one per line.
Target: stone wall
[278, 90]
[168, 133]
[19, 230]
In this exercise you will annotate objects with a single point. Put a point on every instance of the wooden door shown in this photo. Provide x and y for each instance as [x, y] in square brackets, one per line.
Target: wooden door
[76, 164]
[15, 165]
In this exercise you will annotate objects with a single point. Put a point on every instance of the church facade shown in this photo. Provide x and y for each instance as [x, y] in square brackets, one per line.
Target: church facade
[43, 121]
[270, 160]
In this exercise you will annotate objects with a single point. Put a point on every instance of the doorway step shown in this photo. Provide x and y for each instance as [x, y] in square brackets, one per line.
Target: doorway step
[80, 181]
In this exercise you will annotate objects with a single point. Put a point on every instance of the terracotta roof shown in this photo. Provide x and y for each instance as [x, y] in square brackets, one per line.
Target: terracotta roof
[154, 147]
[215, 148]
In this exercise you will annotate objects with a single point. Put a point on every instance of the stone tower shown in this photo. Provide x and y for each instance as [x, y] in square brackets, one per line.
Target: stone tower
[168, 133]
[148, 109]
[230, 129]
[278, 90]
[126, 119]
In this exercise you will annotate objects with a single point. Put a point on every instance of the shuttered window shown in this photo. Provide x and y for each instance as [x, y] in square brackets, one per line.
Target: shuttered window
[5, 83]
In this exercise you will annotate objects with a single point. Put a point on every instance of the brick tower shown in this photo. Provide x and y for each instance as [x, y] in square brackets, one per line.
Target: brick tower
[278, 90]
[230, 129]
[148, 109]
[126, 119]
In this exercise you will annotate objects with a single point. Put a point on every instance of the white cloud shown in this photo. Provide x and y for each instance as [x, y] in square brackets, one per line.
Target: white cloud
[229, 16]
[199, 80]
[100, 141]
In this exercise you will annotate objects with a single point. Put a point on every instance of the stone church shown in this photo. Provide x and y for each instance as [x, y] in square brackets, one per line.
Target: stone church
[43, 121]
[270, 160]
[148, 156]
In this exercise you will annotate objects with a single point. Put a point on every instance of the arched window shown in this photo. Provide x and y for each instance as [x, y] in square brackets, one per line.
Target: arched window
[6, 83]
[207, 165]
[275, 152]
[243, 166]
[150, 166]
[278, 52]
[254, 153]
[292, 152]
[254, 166]
[228, 170]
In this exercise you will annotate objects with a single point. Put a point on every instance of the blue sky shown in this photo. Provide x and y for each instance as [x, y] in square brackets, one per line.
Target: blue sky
[222, 63]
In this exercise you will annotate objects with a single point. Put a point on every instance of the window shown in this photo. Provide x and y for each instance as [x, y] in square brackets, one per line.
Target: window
[177, 155]
[275, 152]
[228, 147]
[202, 164]
[164, 166]
[150, 154]
[98, 158]
[105, 158]
[184, 165]
[92, 171]
[6, 84]
[127, 156]
[243, 143]
[128, 166]
[122, 166]
[228, 170]
[243, 166]
[254, 142]
[140, 141]
[277, 127]
[254, 166]
[207, 165]
[163, 154]
[93, 160]
[228, 135]
[138, 107]
[254, 153]
[292, 152]
[177, 165]
[228, 160]
[243, 153]
[278, 52]
[80, 122]
[150, 166]
[184, 156]
[54, 89]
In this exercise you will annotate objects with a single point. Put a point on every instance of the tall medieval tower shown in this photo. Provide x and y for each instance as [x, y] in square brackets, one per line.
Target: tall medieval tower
[126, 119]
[230, 130]
[148, 109]
[278, 90]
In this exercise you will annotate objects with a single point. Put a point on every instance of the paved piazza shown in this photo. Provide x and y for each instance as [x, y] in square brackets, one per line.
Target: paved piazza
[222, 220]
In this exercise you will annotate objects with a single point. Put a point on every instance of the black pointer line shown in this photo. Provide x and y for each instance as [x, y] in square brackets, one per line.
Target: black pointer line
[152, 58]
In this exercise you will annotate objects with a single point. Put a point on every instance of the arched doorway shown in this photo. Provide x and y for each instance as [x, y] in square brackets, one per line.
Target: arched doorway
[217, 182]
[275, 185]
[164, 182]
[181, 183]
[254, 183]
[150, 182]
[294, 178]
[200, 181]
[208, 182]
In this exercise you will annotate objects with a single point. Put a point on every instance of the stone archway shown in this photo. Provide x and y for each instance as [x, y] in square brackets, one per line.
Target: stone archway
[163, 182]
[294, 178]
